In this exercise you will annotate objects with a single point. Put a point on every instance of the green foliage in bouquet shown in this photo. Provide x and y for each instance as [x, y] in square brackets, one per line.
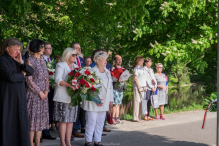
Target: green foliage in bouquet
[78, 95]
[208, 101]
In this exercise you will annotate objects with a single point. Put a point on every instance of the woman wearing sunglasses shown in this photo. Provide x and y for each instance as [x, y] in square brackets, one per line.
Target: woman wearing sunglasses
[162, 90]
[64, 112]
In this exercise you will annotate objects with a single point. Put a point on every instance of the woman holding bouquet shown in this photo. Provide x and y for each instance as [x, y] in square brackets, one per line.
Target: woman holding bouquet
[117, 91]
[64, 112]
[162, 90]
[139, 87]
[96, 113]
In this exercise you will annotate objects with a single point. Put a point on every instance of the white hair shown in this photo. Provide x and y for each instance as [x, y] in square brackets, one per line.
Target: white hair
[99, 56]
[67, 53]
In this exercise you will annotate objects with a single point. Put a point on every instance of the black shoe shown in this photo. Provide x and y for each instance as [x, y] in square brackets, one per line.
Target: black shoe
[83, 131]
[48, 137]
[104, 134]
[99, 144]
[88, 144]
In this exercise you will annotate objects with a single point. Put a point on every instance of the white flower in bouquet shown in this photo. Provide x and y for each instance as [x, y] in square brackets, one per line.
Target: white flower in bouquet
[124, 76]
[84, 90]
[87, 67]
[101, 81]
[91, 72]
[97, 81]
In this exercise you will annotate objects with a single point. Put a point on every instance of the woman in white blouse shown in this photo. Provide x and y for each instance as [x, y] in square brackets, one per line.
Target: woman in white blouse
[96, 113]
[139, 87]
[64, 112]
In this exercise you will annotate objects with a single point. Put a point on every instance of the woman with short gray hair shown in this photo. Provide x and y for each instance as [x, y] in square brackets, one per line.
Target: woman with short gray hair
[96, 113]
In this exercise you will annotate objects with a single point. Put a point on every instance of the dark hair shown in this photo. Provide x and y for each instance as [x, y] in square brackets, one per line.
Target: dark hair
[86, 57]
[14, 42]
[47, 43]
[72, 44]
[35, 45]
[147, 59]
[57, 57]
[94, 52]
[3, 46]
[138, 58]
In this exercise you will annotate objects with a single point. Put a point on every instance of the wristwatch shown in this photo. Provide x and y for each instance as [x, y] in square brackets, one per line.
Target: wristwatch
[21, 62]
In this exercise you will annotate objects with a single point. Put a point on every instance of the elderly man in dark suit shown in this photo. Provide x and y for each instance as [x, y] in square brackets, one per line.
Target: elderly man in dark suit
[13, 101]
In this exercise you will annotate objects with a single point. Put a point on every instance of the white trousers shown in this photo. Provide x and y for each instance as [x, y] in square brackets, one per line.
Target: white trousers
[94, 125]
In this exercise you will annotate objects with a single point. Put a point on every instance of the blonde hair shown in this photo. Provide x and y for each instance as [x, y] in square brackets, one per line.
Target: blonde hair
[67, 53]
[158, 64]
[100, 55]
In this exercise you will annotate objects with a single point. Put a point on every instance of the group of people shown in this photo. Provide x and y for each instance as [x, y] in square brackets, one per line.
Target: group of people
[146, 84]
[29, 104]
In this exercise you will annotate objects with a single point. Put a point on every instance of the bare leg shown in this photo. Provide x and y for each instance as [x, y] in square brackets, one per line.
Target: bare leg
[156, 112]
[114, 111]
[68, 133]
[37, 138]
[31, 137]
[161, 109]
[117, 110]
[62, 132]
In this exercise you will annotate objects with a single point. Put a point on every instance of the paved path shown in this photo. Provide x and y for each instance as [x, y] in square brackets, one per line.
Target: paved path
[181, 129]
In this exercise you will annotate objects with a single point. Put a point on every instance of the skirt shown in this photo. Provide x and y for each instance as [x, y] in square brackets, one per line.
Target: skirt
[65, 112]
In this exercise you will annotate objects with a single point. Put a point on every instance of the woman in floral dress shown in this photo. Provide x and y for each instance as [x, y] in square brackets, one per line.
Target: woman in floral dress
[162, 90]
[37, 92]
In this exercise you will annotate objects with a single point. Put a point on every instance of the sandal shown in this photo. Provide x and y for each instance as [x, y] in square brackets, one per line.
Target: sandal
[146, 119]
[156, 117]
[161, 117]
[150, 118]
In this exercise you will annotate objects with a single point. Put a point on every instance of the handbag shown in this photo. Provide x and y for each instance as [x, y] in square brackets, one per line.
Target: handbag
[154, 101]
[143, 105]
[109, 118]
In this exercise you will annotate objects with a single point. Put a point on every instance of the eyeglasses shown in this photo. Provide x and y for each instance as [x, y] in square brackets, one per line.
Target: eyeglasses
[142, 60]
[159, 67]
[101, 53]
[74, 55]
[41, 47]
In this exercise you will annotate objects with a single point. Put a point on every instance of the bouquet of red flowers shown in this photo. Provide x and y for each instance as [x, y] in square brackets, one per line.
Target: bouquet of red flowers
[120, 75]
[87, 84]
[51, 71]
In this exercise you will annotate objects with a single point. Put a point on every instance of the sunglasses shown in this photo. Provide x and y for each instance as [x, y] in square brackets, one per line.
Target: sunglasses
[41, 47]
[101, 53]
[74, 55]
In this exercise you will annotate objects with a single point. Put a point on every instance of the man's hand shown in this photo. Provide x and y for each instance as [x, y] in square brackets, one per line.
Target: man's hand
[23, 73]
[18, 58]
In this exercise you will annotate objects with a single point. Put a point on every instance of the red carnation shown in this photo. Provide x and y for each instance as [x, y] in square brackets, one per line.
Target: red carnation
[71, 73]
[82, 81]
[86, 85]
[51, 73]
[87, 72]
[77, 74]
[77, 68]
[93, 89]
[92, 80]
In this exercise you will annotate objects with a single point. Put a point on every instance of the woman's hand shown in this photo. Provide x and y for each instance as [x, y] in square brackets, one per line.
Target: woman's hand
[42, 95]
[153, 89]
[23, 73]
[73, 87]
[46, 93]
[101, 104]
[161, 87]
[140, 90]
